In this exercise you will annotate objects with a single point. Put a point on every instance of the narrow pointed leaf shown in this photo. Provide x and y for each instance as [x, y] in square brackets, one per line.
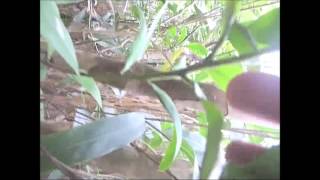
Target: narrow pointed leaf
[91, 87]
[54, 31]
[215, 122]
[93, 140]
[176, 141]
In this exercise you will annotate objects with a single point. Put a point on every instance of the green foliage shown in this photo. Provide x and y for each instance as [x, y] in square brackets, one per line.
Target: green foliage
[92, 140]
[90, 86]
[166, 125]
[141, 43]
[54, 31]
[183, 32]
[266, 166]
[242, 40]
[198, 49]
[255, 139]
[201, 117]
[265, 32]
[156, 141]
[188, 151]
[173, 7]
[222, 75]
[215, 121]
[176, 141]
[101, 137]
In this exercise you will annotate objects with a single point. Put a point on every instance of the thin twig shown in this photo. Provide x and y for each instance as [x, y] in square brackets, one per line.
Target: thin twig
[159, 131]
[206, 63]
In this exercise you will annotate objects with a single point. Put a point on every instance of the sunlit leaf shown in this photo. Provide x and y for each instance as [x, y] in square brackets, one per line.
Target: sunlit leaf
[166, 125]
[265, 31]
[93, 140]
[255, 139]
[91, 87]
[172, 32]
[54, 31]
[215, 121]
[183, 32]
[156, 140]
[198, 49]
[222, 75]
[175, 144]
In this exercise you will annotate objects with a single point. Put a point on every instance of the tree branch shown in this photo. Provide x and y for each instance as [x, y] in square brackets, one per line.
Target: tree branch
[206, 63]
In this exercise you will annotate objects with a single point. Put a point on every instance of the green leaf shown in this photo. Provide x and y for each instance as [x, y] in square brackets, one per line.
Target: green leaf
[242, 39]
[222, 75]
[54, 31]
[141, 43]
[43, 72]
[256, 139]
[201, 117]
[171, 32]
[90, 86]
[266, 166]
[265, 31]
[93, 140]
[198, 49]
[166, 125]
[215, 121]
[183, 32]
[156, 140]
[175, 144]
[261, 128]
[187, 150]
